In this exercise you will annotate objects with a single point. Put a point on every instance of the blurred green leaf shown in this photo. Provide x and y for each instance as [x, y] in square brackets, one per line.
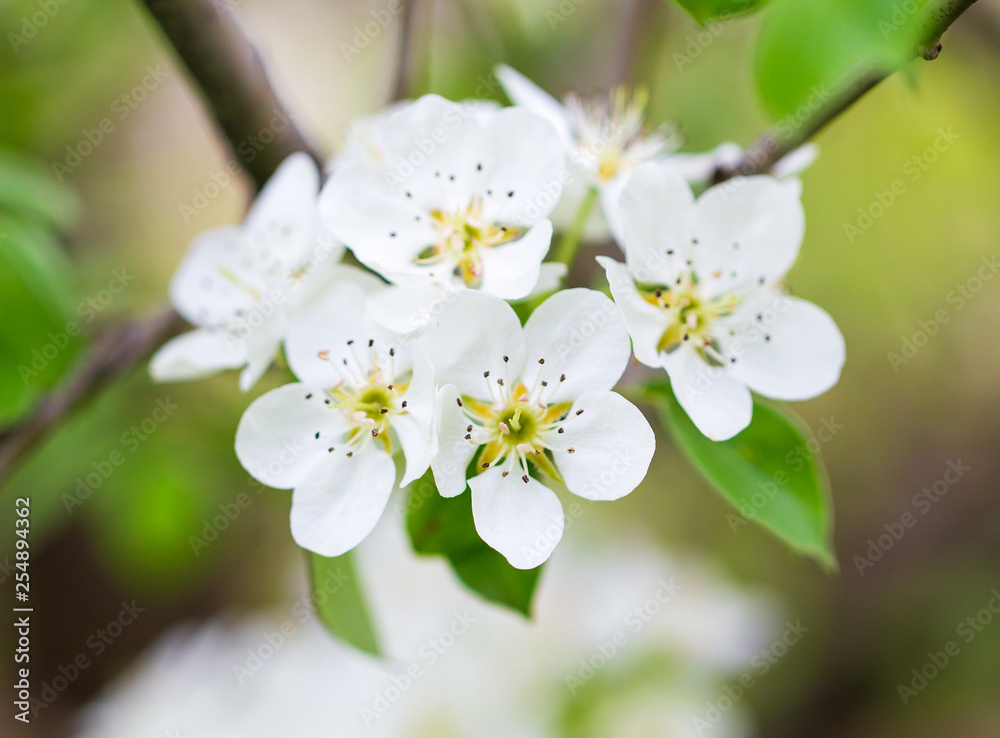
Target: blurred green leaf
[706, 10]
[29, 190]
[443, 526]
[807, 52]
[767, 472]
[40, 336]
[339, 602]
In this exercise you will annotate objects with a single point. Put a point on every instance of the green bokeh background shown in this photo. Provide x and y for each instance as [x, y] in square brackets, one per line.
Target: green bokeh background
[898, 426]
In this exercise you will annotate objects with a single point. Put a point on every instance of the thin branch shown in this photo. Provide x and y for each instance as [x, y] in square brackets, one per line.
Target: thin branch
[233, 82]
[403, 80]
[630, 14]
[234, 86]
[115, 352]
[933, 20]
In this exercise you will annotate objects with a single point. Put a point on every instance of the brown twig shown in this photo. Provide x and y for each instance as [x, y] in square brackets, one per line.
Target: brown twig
[115, 352]
[933, 19]
[235, 88]
[404, 61]
[630, 14]
[227, 69]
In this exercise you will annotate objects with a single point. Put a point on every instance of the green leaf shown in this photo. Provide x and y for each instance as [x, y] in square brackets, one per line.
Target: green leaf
[444, 527]
[705, 10]
[339, 601]
[39, 336]
[767, 472]
[28, 189]
[809, 52]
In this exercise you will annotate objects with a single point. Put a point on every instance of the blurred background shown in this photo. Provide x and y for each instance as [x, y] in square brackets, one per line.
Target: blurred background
[109, 166]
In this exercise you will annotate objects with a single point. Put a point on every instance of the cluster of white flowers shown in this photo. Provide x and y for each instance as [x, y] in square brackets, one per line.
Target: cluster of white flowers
[450, 207]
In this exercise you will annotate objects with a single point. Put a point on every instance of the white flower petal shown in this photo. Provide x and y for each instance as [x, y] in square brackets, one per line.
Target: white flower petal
[796, 161]
[382, 226]
[657, 213]
[611, 195]
[524, 522]
[326, 325]
[262, 345]
[646, 323]
[284, 214]
[276, 438]
[415, 426]
[197, 354]
[701, 167]
[217, 278]
[523, 168]
[454, 452]
[749, 229]
[339, 503]
[434, 148]
[578, 333]
[612, 446]
[522, 91]
[715, 400]
[511, 270]
[794, 352]
[472, 335]
[550, 278]
[407, 309]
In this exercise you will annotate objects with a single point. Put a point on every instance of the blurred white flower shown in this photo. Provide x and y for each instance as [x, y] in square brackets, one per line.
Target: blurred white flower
[240, 286]
[457, 199]
[366, 143]
[604, 140]
[328, 436]
[501, 676]
[701, 294]
[699, 168]
[533, 401]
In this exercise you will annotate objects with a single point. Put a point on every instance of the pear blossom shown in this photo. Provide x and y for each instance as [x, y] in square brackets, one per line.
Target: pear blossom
[330, 437]
[459, 200]
[530, 404]
[240, 286]
[604, 140]
[701, 294]
[365, 140]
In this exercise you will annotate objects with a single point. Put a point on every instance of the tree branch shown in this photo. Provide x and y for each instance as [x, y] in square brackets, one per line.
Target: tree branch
[234, 86]
[116, 351]
[228, 70]
[404, 62]
[933, 19]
